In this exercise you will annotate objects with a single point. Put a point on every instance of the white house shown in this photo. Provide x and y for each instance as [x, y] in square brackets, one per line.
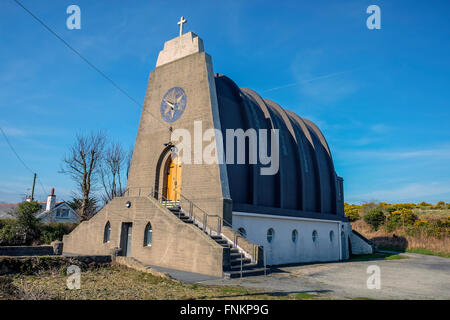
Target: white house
[52, 212]
[57, 212]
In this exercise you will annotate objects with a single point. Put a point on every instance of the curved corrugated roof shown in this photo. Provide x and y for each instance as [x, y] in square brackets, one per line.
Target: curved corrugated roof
[306, 180]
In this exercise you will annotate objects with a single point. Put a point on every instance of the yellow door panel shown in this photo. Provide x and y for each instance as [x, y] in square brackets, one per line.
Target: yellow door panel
[174, 180]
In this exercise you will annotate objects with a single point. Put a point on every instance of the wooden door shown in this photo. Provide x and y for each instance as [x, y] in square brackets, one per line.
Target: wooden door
[174, 180]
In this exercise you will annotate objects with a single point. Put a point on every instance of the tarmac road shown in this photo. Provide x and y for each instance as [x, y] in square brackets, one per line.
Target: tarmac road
[417, 277]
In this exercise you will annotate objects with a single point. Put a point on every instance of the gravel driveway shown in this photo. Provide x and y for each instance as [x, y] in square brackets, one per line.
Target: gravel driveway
[416, 277]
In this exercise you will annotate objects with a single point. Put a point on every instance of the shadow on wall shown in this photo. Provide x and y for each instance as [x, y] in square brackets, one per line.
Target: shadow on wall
[393, 243]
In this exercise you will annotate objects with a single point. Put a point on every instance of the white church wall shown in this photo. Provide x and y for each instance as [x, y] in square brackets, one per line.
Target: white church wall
[282, 249]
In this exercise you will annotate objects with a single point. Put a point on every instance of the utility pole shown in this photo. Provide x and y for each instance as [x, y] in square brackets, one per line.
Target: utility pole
[32, 190]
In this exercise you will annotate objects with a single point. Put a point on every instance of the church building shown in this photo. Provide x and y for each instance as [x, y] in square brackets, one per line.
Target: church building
[215, 217]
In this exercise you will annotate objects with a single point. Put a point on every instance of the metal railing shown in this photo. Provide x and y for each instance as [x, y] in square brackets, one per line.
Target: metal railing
[220, 222]
[202, 219]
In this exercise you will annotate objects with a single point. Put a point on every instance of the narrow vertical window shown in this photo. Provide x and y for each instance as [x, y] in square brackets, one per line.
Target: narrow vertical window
[315, 236]
[294, 236]
[148, 235]
[107, 233]
[270, 235]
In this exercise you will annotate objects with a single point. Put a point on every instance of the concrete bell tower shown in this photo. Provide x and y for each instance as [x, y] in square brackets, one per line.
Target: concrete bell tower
[181, 64]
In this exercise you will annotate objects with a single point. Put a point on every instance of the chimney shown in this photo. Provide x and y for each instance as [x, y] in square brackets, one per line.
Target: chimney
[51, 200]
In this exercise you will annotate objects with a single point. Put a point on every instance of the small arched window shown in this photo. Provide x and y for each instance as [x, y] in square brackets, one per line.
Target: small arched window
[242, 232]
[270, 235]
[331, 236]
[107, 233]
[148, 235]
[294, 235]
[315, 236]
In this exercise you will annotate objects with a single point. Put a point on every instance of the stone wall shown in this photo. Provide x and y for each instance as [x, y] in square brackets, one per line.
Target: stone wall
[35, 265]
[14, 251]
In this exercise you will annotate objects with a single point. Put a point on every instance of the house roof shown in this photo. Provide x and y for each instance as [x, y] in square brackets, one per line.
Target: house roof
[43, 212]
[7, 209]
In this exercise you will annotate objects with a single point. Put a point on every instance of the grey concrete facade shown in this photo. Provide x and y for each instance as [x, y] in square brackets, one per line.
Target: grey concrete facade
[174, 245]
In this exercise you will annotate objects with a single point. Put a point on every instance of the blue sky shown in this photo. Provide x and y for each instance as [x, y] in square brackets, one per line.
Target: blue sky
[381, 97]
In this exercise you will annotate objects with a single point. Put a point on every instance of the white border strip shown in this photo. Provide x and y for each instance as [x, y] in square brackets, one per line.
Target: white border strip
[268, 216]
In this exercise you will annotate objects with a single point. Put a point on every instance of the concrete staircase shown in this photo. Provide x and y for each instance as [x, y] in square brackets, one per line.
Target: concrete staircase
[240, 265]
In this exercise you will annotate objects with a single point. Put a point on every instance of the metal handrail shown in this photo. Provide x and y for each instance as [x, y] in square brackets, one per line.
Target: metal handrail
[206, 216]
[221, 222]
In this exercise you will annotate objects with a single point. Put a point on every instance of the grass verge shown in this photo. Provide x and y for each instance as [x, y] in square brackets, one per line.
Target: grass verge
[120, 283]
[377, 256]
[415, 250]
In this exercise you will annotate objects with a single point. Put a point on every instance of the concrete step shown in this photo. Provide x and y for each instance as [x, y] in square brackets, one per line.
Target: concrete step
[234, 256]
[245, 273]
[246, 266]
[237, 262]
[222, 241]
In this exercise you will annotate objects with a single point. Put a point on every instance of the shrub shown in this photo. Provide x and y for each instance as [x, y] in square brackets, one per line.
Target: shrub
[424, 204]
[27, 221]
[390, 209]
[375, 218]
[26, 229]
[11, 234]
[420, 223]
[398, 218]
[55, 231]
[366, 207]
[408, 216]
[440, 205]
[352, 212]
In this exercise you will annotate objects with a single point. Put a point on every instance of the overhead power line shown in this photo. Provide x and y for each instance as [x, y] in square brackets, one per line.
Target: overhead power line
[78, 53]
[14, 151]
[20, 159]
[86, 60]
[95, 68]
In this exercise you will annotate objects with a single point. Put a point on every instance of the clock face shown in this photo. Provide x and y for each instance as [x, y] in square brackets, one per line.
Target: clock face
[173, 104]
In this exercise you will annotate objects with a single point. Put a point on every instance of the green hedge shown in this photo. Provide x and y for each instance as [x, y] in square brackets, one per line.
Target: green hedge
[14, 233]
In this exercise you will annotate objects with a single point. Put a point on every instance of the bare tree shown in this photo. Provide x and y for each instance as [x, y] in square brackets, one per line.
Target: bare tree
[111, 172]
[82, 163]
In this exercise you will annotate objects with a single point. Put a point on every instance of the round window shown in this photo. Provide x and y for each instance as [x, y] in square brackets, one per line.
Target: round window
[331, 235]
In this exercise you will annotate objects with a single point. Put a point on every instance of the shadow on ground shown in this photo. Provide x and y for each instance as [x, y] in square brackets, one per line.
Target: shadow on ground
[307, 294]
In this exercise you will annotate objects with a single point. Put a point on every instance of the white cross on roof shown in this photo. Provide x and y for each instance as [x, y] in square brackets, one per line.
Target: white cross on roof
[180, 23]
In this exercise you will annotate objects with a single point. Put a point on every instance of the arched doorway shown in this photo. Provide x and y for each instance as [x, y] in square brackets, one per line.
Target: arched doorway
[172, 179]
